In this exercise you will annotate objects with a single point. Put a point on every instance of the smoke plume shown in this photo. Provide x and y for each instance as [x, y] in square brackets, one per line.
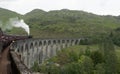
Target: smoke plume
[15, 22]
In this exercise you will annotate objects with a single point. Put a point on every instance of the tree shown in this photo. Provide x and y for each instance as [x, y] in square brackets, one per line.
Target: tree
[86, 65]
[97, 57]
[110, 56]
[99, 69]
[87, 51]
[35, 67]
[71, 68]
[73, 56]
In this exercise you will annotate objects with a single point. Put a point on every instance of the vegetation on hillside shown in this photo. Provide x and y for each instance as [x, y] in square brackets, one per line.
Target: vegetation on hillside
[64, 23]
[5, 15]
[102, 58]
[69, 23]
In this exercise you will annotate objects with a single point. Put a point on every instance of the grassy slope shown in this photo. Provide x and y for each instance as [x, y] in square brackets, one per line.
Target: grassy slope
[68, 23]
[6, 14]
[62, 23]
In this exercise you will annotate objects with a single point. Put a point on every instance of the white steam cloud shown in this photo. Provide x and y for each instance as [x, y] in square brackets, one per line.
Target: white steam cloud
[15, 22]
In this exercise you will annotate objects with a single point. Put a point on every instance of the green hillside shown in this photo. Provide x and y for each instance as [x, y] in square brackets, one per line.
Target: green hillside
[6, 14]
[63, 23]
[69, 23]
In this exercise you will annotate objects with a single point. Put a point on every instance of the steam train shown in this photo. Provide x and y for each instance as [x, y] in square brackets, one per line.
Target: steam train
[5, 39]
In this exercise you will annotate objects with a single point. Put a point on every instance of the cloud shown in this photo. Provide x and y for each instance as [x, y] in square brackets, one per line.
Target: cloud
[6, 0]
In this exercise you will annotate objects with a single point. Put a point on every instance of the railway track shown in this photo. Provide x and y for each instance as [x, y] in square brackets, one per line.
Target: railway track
[7, 65]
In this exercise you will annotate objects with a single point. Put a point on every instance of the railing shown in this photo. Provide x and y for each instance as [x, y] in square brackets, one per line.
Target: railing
[19, 64]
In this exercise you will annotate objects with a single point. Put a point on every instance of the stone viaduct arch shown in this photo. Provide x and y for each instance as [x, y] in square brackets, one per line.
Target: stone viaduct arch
[38, 50]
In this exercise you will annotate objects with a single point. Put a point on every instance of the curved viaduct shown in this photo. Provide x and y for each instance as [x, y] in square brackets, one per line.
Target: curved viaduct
[38, 50]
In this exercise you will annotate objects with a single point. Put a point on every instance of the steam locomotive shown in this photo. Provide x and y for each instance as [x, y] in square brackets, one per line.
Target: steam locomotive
[5, 39]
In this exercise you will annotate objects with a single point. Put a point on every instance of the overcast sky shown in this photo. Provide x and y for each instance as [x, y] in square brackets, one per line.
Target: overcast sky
[101, 7]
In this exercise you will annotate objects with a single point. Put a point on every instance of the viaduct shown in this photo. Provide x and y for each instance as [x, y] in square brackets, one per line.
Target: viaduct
[31, 50]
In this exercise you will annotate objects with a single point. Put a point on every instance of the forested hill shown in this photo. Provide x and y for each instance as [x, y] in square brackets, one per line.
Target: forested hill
[65, 23]
[70, 16]
[6, 14]
[69, 23]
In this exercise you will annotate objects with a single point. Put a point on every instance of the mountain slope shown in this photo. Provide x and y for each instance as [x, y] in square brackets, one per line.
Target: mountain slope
[69, 23]
[6, 14]
[63, 23]
[72, 16]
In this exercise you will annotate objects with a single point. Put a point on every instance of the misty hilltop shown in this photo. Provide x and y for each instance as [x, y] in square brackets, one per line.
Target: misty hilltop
[63, 23]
